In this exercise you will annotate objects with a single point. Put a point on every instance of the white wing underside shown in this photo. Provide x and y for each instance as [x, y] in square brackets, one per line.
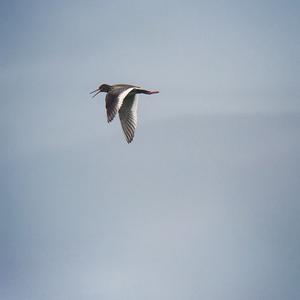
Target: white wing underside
[114, 102]
[128, 116]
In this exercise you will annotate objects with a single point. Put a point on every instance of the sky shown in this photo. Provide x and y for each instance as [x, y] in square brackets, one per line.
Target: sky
[203, 204]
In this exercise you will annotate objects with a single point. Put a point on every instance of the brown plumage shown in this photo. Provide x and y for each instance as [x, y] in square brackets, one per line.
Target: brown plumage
[122, 99]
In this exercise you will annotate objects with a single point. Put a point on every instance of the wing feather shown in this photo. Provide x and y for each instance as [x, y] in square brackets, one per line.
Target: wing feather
[114, 100]
[128, 116]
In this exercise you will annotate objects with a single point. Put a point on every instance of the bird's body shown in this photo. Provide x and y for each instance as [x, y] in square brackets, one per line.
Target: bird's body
[122, 99]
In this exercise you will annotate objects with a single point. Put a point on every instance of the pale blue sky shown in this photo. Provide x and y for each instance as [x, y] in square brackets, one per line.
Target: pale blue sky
[204, 204]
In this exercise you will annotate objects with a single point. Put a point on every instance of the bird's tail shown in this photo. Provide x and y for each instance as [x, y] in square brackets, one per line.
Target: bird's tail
[146, 92]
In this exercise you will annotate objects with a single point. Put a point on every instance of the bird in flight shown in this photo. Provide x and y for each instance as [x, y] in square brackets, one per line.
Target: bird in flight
[122, 99]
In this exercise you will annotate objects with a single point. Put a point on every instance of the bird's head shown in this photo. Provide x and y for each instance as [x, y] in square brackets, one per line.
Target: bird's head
[101, 88]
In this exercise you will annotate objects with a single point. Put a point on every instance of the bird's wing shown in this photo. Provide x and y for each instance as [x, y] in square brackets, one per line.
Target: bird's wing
[114, 100]
[128, 116]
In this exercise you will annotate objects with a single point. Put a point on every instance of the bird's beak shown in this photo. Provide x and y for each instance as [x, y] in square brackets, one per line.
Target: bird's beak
[97, 91]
